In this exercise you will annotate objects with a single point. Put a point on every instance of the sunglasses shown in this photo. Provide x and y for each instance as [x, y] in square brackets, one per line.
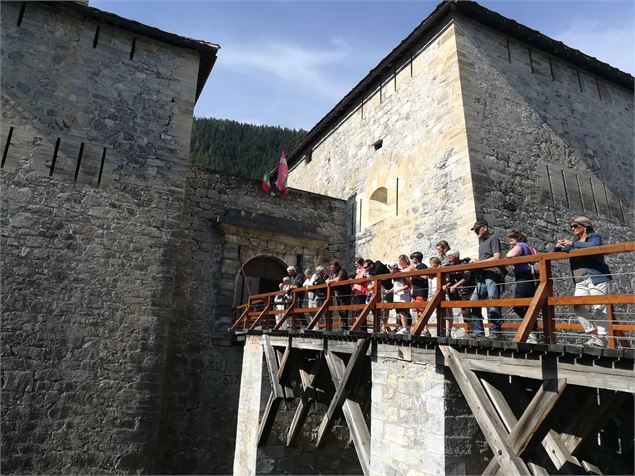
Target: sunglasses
[573, 226]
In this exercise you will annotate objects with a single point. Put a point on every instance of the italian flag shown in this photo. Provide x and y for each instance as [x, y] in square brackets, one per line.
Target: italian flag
[266, 186]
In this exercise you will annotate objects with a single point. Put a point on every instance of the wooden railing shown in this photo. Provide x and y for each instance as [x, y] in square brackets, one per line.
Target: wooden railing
[260, 309]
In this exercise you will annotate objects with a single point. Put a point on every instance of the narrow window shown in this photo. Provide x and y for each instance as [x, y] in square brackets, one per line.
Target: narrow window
[597, 85]
[134, 44]
[101, 167]
[509, 52]
[579, 79]
[360, 214]
[606, 196]
[96, 38]
[553, 199]
[353, 217]
[79, 160]
[6, 147]
[21, 14]
[566, 192]
[378, 144]
[531, 61]
[595, 203]
[553, 77]
[397, 197]
[57, 148]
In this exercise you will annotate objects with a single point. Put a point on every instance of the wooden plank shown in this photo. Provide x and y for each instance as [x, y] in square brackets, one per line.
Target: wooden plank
[531, 315]
[537, 470]
[557, 451]
[268, 417]
[500, 403]
[342, 387]
[606, 299]
[308, 395]
[264, 312]
[277, 393]
[353, 415]
[359, 322]
[284, 369]
[322, 309]
[484, 412]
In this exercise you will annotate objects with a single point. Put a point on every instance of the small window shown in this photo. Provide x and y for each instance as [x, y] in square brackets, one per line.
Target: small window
[378, 144]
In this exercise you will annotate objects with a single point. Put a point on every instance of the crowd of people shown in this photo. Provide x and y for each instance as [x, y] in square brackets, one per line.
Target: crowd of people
[591, 275]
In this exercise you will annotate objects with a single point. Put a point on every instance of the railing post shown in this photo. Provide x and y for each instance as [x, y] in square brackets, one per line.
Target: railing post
[440, 310]
[328, 313]
[611, 329]
[548, 315]
[377, 312]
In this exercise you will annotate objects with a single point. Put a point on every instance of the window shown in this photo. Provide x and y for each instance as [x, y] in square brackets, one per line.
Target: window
[378, 205]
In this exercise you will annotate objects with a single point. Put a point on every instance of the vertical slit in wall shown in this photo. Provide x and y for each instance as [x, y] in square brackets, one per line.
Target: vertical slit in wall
[411, 70]
[606, 196]
[134, 44]
[79, 160]
[21, 14]
[553, 199]
[362, 108]
[579, 79]
[360, 214]
[531, 60]
[6, 147]
[57, 148]
[577, 179]
[595, 203]
[381, 96]
[509, 51]
[397, 198]
[395, 79]
[96, 38]
[553, 77]
[597, 85]
[354, 217]
[619, 200]
[101, 167]
[566, 192]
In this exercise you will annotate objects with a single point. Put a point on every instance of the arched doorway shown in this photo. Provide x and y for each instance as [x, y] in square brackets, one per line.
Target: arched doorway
[263, 275]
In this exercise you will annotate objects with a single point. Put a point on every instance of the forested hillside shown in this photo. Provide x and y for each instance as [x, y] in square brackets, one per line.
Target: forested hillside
[237, 148]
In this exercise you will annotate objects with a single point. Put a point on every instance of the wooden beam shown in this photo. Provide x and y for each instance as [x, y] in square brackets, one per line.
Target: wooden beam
[308, 395]
[316, 317]
[342, 387]
[284, 369]
[484, 412]
[353, 414]
[359, 322]
[277, 393]
[539, 299]
[264, 312]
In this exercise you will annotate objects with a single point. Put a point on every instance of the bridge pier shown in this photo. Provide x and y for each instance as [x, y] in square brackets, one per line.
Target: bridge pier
[386, 405]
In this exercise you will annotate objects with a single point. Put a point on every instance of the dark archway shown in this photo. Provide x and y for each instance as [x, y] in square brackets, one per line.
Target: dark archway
[263, 275]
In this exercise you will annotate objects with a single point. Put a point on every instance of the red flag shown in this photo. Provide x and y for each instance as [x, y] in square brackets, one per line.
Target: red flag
[283, 172]
[266, 186]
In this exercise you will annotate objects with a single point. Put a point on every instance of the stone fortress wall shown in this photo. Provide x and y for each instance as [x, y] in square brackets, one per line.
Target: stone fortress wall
[117, 270]
[545, 140]
[568, 150]
[416, 188]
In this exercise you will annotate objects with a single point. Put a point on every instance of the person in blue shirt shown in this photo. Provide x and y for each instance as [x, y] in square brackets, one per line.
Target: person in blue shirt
[592, 277]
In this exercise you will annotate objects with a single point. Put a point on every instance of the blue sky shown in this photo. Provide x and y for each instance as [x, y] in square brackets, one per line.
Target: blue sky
[288, 63]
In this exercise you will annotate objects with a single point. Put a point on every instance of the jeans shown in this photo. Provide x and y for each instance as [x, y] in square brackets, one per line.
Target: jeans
[487, 288]
[525, 287]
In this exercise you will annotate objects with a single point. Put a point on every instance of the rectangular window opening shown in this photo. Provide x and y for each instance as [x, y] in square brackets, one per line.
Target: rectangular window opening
[397, 198]
[57, 148]
[6, 147]
[96, 38]
[579, 80]
[101, 167]
[79, 160]
[134, 44]
[597, 85]
[378, 144]
[531, 60]
[21, 14]
[360, 215]
[553, 77]
[509, 52]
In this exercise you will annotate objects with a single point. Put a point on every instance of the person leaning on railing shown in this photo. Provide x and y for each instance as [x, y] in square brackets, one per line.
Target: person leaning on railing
[459, 287]
[320, 278]
[592, 277]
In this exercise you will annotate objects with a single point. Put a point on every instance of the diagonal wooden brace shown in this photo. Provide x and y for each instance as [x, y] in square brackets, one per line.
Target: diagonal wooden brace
[308, 395]
[484, 412]
[277, 393]
[432, 305]
[527, 324]
[359, 322]
[352, 413]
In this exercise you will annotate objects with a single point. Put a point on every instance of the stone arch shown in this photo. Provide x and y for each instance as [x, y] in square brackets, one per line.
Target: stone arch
[378, 205]
[263, 272]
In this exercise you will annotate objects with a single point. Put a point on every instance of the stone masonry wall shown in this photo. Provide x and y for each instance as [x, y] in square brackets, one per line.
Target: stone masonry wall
[200, 392]
[422, 163]
[88, 238]
[546, 140]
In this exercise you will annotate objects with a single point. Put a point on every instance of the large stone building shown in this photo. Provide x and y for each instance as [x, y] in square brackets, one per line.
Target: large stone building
[120, 261]
[474, 115]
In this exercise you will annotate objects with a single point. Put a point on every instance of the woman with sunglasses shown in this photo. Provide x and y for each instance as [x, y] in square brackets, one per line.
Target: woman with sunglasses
[592, 277]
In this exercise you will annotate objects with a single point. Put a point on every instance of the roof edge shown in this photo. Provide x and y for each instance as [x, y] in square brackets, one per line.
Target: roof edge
[479, 13]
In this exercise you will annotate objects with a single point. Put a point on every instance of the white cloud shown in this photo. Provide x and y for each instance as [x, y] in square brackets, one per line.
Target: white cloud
[302, 68]
[614, 46]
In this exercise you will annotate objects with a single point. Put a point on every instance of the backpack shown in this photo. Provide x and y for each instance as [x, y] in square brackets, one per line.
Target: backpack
[534, 267]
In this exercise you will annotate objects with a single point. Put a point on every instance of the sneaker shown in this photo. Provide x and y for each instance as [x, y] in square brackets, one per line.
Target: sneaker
[426, 333]
[532, 339]
[596, 341]
[403, 330]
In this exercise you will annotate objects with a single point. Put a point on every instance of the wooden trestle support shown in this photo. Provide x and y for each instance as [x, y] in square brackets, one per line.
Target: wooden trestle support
[597, 379]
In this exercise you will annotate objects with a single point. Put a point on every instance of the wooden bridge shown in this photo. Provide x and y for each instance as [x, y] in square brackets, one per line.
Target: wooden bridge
[538, 407]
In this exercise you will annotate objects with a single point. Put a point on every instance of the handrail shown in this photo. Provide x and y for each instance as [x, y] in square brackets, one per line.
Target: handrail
[543, 300]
